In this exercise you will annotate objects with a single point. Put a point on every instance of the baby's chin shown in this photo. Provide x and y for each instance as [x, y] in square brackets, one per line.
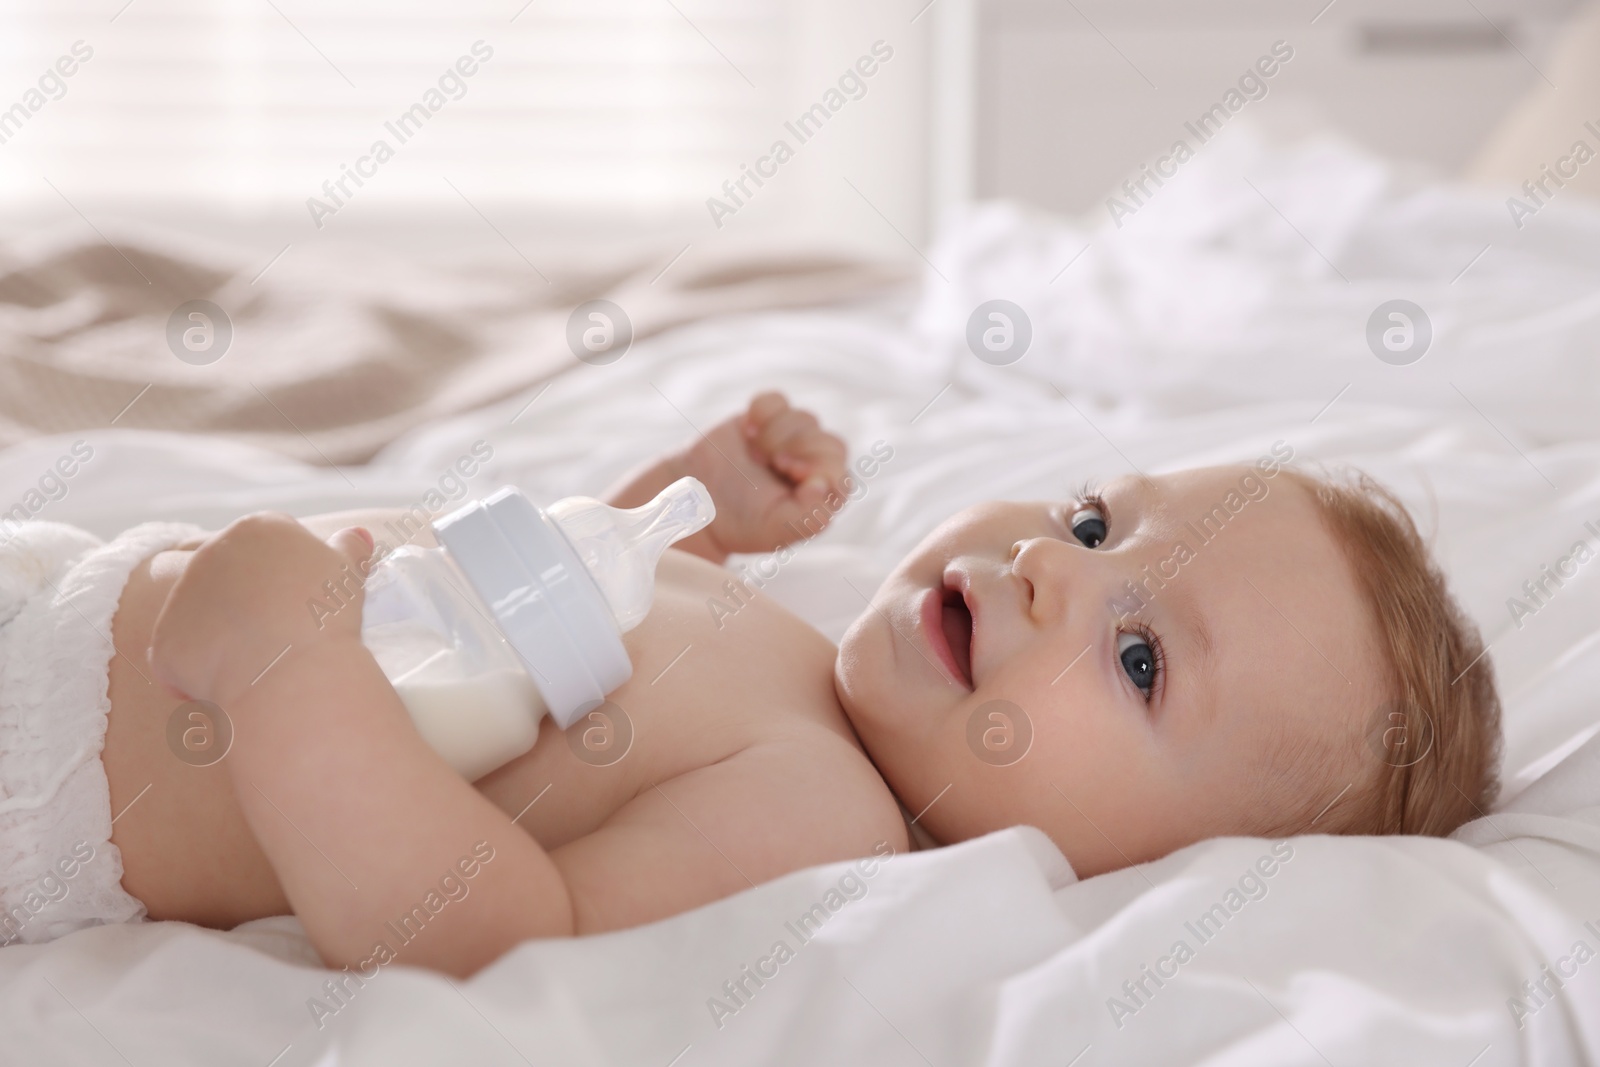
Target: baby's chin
[865, 686]
[850, 666]
[887, 727]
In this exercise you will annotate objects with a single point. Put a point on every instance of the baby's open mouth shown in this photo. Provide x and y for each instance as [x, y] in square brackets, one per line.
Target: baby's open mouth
[956, 619]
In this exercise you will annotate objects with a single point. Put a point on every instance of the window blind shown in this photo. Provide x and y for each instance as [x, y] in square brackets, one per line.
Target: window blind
[621, 106]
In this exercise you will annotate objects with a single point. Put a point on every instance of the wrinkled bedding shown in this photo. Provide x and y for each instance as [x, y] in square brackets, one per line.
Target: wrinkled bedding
[90, 325]
[1204, 331]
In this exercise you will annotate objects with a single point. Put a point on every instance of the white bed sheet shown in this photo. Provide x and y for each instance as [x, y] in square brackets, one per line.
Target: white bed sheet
[1362, 950]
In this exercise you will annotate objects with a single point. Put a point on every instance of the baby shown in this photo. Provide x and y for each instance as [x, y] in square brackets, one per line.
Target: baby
[1233, 650]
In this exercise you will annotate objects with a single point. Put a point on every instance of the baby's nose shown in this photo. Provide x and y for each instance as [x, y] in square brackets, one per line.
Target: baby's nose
[1045, 567]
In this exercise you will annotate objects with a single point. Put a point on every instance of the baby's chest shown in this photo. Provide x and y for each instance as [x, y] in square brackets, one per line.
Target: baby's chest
[716, 664]
[716, 671]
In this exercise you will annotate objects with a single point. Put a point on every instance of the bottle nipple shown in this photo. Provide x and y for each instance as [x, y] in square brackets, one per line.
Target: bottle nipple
[620, 547]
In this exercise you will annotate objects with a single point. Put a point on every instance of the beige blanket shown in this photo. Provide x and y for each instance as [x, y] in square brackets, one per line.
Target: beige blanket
[337, 351]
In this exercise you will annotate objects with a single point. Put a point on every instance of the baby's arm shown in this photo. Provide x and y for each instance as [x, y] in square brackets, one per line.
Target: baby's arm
[774, 474]
[360, 818]
[366, 826]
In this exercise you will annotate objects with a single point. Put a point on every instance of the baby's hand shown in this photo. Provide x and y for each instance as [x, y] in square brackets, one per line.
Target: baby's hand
[246, 597]
[773, 472]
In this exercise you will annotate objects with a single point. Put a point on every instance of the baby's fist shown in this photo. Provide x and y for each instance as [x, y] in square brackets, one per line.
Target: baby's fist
[774, 473]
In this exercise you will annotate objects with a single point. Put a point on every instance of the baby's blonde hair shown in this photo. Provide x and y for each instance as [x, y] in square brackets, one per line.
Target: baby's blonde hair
[1430, 755]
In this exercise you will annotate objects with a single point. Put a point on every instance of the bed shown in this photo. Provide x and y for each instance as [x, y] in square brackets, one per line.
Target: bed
[1230, 313]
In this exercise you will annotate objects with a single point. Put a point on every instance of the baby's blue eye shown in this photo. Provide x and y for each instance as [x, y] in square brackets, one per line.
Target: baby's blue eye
[1138, 659]
[1088, 526]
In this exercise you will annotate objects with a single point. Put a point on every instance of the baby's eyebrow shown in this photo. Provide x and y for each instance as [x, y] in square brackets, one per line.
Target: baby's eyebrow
[1192, 619]
[1136, 481]
[1145, 483]
[1138, 487]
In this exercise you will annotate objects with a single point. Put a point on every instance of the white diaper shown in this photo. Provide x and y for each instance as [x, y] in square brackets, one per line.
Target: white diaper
[59, 588]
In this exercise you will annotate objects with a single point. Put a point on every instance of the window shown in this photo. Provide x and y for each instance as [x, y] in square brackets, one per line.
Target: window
[595, 106]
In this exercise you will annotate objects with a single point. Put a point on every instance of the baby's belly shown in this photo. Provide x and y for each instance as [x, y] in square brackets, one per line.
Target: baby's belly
[705, 684]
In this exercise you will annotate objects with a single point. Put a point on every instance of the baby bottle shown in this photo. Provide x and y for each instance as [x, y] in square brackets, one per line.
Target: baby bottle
[521, 610]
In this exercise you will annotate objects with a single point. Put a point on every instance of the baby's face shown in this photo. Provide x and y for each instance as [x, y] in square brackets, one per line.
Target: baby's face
[1154, 646]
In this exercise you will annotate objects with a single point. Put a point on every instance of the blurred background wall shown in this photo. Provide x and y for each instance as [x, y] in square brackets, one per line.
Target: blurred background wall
[592, 119]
